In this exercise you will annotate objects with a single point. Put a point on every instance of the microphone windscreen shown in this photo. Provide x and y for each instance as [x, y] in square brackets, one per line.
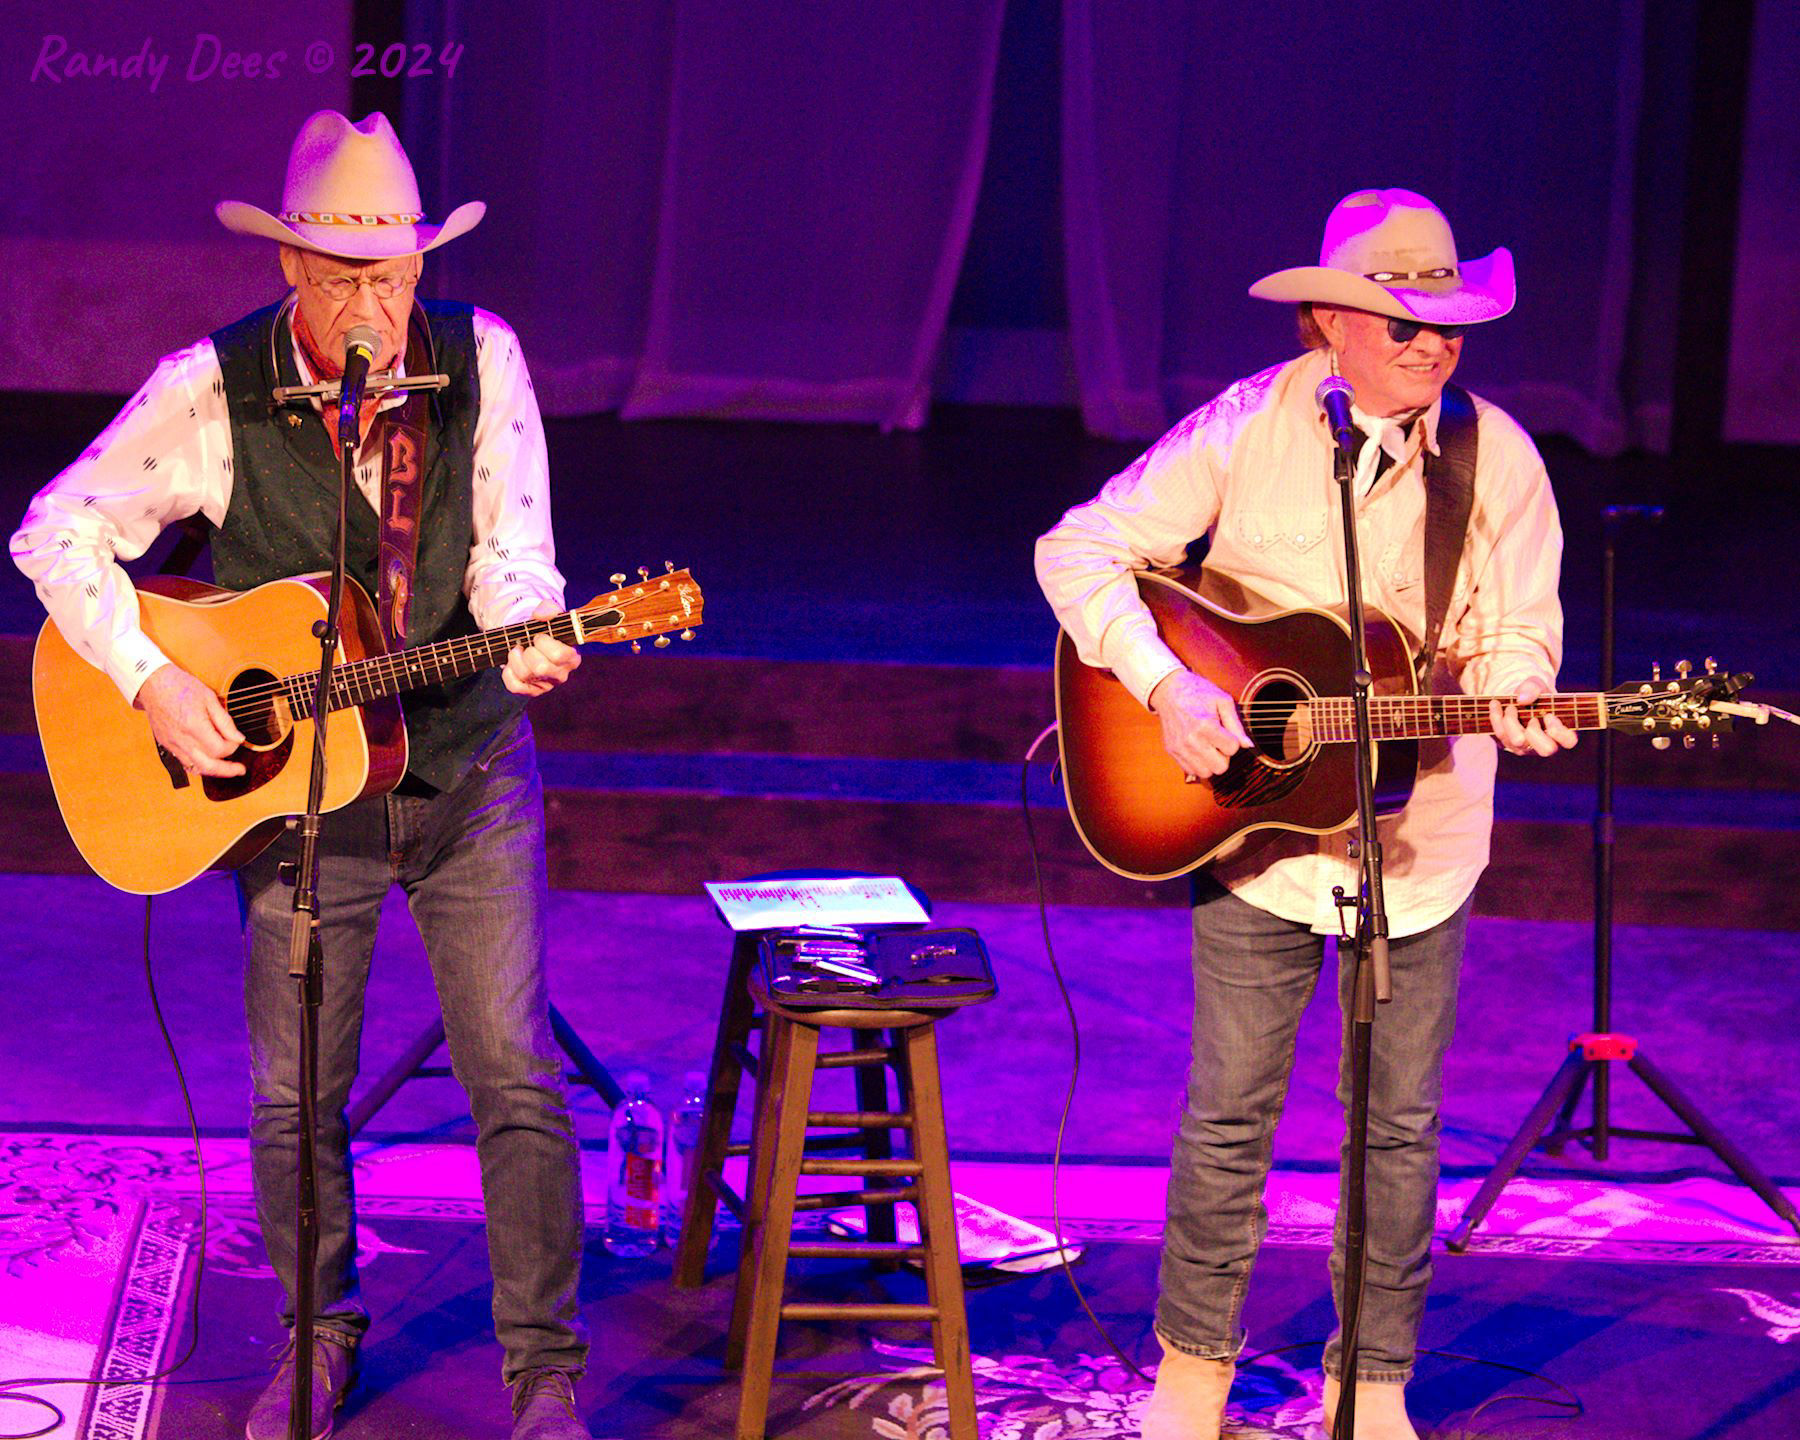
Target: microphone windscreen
[1332, 385]
[364, 338]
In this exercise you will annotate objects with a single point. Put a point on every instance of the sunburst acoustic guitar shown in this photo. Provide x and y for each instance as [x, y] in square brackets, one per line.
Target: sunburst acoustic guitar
[146, 826]
[1289, 672]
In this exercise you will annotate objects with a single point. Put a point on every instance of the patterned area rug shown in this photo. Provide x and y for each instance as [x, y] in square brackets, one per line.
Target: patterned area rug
[1677, 1321]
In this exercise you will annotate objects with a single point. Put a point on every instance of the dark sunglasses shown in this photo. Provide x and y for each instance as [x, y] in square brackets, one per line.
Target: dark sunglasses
[1404, 332]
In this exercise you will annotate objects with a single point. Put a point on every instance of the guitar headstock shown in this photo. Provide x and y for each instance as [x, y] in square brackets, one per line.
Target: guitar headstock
[1687, 704]
[651, 607]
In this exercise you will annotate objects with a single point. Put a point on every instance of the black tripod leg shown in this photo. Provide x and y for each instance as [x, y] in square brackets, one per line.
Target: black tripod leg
[1741, 1164]
[1562, 1084]
[587, 1063]
[396, 1075]
[1559, 1129]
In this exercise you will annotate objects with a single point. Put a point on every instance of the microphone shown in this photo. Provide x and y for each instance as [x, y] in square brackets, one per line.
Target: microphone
[1333, 397]
[360, 347]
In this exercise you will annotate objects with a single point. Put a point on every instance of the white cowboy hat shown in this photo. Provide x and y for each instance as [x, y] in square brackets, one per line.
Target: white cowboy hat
[350, 192]
[1391, 252]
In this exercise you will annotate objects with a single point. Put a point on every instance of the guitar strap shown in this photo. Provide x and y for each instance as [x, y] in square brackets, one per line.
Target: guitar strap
[1449, 499]
[403, 432]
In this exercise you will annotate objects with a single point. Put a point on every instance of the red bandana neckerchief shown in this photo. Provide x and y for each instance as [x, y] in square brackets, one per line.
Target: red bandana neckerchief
[326, 368]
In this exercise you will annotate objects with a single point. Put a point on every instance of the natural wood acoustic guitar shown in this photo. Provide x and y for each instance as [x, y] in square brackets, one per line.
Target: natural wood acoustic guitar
[1289, 673]
[147, 826]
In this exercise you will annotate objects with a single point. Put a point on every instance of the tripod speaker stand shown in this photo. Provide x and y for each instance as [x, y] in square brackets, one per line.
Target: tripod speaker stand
[411, 1066]
[1592, 1055]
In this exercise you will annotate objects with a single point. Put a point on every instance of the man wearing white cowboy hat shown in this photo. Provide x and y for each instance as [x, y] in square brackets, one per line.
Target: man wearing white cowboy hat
[1386, 308]
[463, 833]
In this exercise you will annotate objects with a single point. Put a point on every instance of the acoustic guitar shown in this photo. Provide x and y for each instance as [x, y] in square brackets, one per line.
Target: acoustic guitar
[147, 826]
[1290, 675]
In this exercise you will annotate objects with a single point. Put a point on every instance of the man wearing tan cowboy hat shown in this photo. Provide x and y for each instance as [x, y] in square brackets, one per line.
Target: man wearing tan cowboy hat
[1386, 308]
[463, 832]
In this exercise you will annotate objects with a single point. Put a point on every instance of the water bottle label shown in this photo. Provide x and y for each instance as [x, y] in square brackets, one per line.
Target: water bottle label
[640, 1185]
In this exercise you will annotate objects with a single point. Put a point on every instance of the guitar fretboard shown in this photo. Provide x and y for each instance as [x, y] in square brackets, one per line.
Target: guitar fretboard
[382, 676]
[1418, 717]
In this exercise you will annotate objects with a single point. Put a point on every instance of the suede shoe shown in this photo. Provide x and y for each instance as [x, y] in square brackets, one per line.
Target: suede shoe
[544, 1407]
[334, 1371]
[1188, 1401]
[1380, 1410]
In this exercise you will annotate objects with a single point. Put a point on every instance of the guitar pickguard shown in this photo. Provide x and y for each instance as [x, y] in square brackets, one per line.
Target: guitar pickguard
[1251, 780]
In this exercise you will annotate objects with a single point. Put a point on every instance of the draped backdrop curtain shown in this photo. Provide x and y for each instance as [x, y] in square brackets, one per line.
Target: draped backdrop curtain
[718, 209]
[1202, 150]
[711, 208]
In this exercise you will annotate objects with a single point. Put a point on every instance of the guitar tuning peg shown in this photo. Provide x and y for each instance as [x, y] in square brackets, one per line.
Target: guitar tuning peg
[618, 579]
[687, 634]
[1712, 666]
[1661, 742]
[662, 643]
[1687, 742]
[643, 572]
[1715, 740]
[636, 649]
[668, 567]
[1655, 665]
[1684, 668]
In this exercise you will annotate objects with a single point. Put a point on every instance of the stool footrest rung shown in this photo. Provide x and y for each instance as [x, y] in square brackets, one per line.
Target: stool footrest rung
[737, 1147]
[838, 1059]
[858, 1310]
[862, 1165]
[854, 1250]
[861, 1119]
[842, 1199]
[746, 1057]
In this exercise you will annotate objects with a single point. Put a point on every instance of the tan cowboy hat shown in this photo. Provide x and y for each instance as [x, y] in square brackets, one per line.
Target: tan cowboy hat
[350, 192]
[1391, 252]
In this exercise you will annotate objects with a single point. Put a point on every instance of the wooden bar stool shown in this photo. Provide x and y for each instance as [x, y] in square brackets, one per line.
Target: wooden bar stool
[906, 1040]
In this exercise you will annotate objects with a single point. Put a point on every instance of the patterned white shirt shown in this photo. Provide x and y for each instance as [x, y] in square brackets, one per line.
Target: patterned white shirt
[167, 455]
[1251, 470]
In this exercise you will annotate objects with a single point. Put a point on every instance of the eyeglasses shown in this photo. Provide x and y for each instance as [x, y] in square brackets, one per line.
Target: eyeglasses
[1404, 332]
[340, 288]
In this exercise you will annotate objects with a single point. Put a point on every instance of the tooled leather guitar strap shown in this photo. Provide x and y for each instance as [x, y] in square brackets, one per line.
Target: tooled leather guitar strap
[402, 485]
[1449, 499]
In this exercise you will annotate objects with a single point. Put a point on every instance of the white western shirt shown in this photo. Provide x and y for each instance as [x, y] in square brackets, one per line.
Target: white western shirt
[1251, 469]
[110, 505]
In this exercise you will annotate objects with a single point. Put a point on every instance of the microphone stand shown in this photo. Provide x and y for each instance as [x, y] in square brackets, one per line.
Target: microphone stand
[306, 960]
[1371, 982]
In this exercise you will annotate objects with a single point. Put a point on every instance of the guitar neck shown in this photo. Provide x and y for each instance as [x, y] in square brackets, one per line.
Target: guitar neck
[380, 677]
[1420, 717]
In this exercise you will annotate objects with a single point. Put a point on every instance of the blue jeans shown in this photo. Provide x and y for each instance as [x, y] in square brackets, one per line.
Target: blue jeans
[1253, 976]
[471, 861]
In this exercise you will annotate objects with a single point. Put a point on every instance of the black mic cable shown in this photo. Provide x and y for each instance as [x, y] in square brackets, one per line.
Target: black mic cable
[1062, 1123]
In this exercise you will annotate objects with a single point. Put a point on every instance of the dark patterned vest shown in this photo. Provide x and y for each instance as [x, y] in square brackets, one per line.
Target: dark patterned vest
[283, 518]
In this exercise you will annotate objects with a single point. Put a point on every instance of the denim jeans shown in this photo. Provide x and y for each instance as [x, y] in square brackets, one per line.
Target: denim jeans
[1253, 976]
[471, 861]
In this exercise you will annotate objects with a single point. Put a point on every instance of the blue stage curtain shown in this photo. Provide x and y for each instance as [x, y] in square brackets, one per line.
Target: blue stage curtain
[1204, 145]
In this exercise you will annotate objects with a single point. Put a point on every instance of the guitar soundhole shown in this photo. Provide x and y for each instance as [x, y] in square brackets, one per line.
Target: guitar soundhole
[1279, 721]
[255, 702]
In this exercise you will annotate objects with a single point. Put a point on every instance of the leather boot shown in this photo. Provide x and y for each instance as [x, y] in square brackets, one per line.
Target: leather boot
[334, 1371]
[1380, 1410]
[1188, 1402]
[544, 1407]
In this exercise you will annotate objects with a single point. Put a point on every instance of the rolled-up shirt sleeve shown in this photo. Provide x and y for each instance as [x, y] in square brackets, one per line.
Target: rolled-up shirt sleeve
[167, 455]
[1512, 629]
[512, 555]
[1144, 517]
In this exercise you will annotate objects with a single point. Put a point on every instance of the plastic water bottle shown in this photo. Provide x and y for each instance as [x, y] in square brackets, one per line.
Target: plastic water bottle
[680, 1170]
[634, 1177]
